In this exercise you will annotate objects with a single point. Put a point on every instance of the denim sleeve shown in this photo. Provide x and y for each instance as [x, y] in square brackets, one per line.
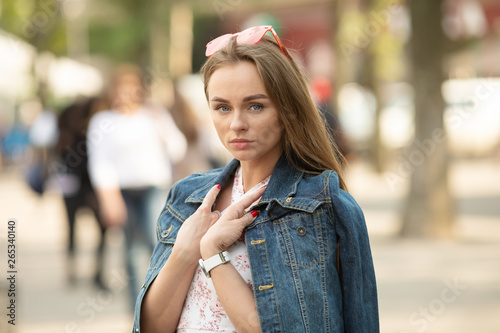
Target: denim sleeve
[357, 275]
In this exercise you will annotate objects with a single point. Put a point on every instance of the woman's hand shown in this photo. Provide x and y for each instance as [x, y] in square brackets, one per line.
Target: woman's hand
[187, 243]
[163, 302]
[224, 231]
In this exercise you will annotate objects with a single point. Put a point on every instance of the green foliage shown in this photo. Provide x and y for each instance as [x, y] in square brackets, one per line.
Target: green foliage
[119, 29]
[38, 22]
[127, 41]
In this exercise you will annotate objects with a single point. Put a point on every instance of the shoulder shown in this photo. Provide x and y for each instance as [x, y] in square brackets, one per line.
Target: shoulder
[184, 188]
[327, 186]
[328, 179]
[324, 184]
[345, 207]
[199, 178]
[103, 119]
[105, 114]
[180, 203]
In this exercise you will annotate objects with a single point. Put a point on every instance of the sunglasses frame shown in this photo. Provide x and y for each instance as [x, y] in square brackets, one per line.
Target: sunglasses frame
[243, 37]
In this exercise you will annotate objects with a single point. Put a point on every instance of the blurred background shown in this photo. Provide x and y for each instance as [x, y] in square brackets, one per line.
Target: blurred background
[411, 90]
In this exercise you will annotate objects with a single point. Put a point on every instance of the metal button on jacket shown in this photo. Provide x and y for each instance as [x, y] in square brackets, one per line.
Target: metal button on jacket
[301, 231]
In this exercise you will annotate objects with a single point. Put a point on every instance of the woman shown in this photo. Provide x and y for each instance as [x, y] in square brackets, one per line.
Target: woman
[74, 178]
[131, 149]
[283, 245]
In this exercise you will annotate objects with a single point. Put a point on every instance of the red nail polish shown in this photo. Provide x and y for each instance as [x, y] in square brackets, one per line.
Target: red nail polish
[218, 186]
[254, 213]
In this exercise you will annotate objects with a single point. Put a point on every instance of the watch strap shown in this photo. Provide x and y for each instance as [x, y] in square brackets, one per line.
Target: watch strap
[214, 261]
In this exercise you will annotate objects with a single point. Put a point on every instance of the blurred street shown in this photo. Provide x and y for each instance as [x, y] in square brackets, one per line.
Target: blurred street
[437, 286]
[424, 285]
[408, 87]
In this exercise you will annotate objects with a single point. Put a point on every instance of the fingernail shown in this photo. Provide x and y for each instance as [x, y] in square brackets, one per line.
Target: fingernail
[254, 213]
[218, 186]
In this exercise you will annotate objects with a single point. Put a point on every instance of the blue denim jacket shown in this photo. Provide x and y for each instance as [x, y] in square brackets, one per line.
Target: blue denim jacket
[305, 227]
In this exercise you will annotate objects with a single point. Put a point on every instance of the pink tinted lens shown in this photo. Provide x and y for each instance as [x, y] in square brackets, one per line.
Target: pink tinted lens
[217, 44]
[252, 35]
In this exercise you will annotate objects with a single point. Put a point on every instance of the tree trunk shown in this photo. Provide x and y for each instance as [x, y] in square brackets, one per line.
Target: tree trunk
[341, 65]
[181, 37]
[372, 82]
[157, 75]
[428, 211]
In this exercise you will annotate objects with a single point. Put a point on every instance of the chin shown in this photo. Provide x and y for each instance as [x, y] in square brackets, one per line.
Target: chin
[243, 155]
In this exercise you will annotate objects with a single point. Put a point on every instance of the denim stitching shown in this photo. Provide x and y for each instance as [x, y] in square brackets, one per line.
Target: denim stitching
[322, 231]
[325, 297]
[323, 253]
[174, 214]
[192, 198]
[300, 294]
[271, 276]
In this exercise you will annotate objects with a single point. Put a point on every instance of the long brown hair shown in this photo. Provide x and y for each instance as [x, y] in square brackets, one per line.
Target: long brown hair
[306, 142]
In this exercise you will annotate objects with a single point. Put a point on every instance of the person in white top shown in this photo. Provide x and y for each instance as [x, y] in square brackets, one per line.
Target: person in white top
[131, 150]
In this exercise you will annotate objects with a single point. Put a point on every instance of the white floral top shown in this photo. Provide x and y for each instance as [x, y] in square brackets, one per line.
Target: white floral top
[203, 310]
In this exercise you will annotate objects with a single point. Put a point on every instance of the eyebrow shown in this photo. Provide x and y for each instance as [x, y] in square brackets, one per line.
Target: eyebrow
[256, 96]
[245, 99]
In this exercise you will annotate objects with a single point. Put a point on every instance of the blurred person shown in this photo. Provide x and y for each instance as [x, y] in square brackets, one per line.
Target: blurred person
[42, 137]
[73, 178]
[273, 242]
[15, 143]
[131, 150]
[322, 90]
[2, 136]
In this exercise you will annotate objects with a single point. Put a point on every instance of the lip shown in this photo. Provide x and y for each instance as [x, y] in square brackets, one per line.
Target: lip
[240, 143]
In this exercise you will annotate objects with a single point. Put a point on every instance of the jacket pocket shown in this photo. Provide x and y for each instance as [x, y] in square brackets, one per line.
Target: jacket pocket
[168, 226]
[302, 237]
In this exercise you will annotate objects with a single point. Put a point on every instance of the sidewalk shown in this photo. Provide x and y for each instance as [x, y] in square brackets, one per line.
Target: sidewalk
[47, 303]
[437, 286]
[424, 286]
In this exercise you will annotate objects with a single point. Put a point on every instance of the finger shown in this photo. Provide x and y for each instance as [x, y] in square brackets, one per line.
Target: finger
[248, 218]
[249, 199]
[215, 217]
[209, 199]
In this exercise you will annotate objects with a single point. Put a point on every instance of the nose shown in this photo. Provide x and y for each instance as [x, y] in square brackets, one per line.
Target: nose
[239, 122]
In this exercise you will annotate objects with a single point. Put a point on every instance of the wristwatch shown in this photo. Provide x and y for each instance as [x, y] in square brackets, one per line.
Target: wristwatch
[212, 262]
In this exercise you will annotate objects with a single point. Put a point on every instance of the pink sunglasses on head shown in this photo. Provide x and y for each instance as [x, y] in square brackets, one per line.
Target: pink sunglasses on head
[251, 35]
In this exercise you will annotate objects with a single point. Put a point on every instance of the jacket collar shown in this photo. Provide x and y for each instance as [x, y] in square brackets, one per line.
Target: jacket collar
[283, 182]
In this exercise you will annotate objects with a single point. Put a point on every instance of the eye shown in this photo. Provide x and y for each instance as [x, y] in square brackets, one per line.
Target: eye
[256, 107]
[222, 108]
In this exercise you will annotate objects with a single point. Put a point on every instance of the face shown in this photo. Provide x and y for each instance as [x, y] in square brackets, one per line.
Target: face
[127, 91]
[244, 116]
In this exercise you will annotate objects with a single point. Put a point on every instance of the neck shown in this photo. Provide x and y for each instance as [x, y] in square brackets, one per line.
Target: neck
[253, 173]
[128, 108]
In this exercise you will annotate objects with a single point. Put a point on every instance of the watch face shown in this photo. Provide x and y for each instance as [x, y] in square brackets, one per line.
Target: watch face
[207, 274]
